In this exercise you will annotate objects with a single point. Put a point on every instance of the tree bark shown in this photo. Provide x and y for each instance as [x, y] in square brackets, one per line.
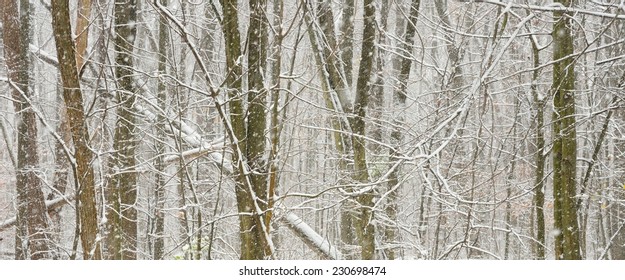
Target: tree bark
[257, 116]
[122, 187]
[347, 39]
[32, 225]
[72, 96]
[365, 229]
[248, 130]
[159, 192]
[539, 181]
[83, 15]
[565, 142]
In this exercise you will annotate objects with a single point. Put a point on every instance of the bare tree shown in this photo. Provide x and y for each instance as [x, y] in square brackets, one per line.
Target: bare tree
[565, 141]
[72, 95]
[31, 238]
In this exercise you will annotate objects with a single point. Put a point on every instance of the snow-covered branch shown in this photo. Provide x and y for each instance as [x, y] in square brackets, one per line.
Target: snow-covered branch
[555, 7]
[50, 204]
[311, 238]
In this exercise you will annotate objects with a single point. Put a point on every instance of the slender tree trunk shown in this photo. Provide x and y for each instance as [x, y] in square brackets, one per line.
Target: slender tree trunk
[539, 181]
[159, 192]
[276, 125]
[341, 143]
[453, 52]
[248, 131]
[80, 135]
[376, 109]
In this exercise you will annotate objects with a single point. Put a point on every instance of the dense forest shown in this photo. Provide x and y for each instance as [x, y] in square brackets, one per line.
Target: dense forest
[311, 129]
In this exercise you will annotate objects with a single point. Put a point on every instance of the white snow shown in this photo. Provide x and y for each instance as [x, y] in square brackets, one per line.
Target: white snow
[311, 235]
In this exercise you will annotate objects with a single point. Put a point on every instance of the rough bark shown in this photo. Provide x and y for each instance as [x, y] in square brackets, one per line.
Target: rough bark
[72, 96]
[250, 231]
[121, 189]
[539, 181]
[32, 225]
[565, 142]
[159, 192]
[257, 116]
[365, 229]
[83, 15]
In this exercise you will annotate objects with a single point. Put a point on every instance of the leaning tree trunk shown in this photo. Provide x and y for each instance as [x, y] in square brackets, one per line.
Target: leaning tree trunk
[72, 95]
[83, 15]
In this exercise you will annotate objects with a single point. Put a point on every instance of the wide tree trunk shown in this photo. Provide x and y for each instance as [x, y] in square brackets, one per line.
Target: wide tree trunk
[122, 187]
[248, 129]
[565, 141]
[364, 229]
[32, 225]
[72, 96]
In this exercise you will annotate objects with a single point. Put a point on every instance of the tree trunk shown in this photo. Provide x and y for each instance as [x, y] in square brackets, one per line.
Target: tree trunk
[347, 39]
[539, 181]
[248, 130]
[565, 142]
[257, 116]
[364, 229]
[275, 124]
[32, 241]
[72, 95]
[121, 189]
[83, 15]
[159, 192]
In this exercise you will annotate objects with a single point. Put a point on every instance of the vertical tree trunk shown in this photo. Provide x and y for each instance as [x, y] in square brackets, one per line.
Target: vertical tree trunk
[364, 229]
[565, 142]
[248, 131]
[376, 109]
[159, 192]
[80, 134]
[257, 116]
[347, 39]
[539, 181]
[276, 125]
[122, 189]
[31, 234]
[232, 40]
